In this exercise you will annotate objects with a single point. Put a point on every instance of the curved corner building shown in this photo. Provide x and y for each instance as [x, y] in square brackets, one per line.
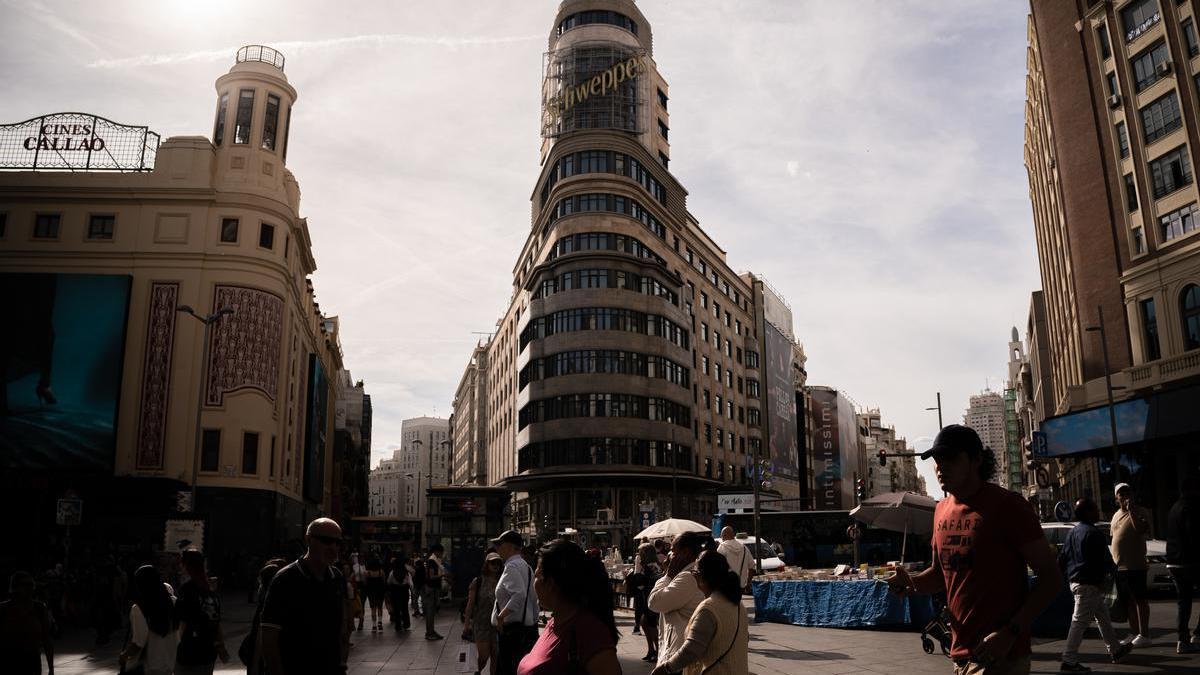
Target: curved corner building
[623, 382]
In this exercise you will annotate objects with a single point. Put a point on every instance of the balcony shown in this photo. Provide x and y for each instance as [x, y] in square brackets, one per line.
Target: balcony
[1162, 371]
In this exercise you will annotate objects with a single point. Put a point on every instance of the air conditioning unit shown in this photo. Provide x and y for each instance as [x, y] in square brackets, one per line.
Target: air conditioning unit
[604, 516]
[1114, 101]
[1163, 68]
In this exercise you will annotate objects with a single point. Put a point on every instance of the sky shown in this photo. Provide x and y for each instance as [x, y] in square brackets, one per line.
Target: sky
[864, 157]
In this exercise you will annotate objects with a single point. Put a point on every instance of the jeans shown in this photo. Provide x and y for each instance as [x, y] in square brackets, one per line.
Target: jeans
[430, 599]
[1185, 579]
[1089, 605]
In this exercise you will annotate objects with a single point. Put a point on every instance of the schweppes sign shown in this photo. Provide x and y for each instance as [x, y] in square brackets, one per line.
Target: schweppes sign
[598, 85]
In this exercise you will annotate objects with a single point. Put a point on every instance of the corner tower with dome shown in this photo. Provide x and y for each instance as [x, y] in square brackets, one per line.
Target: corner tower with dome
[626, 380]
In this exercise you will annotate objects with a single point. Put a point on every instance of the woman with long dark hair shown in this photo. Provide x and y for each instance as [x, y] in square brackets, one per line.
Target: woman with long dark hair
[581, 636]
[650, 572]
[153, 625]
[717, 641]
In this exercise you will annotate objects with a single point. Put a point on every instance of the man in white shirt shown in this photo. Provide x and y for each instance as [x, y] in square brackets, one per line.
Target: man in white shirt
[515, 613]
[737, 554]
[676, 594]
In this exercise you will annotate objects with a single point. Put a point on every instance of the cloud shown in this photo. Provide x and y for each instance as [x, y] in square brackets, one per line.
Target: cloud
[296, 46]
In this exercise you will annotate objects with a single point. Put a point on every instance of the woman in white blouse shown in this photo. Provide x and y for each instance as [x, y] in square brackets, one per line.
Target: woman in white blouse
[154, 635]
[717, 641]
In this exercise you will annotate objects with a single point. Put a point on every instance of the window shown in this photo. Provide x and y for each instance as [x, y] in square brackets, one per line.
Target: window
[704, 364]
[707, 399]
[753, 416]
[266, 235]
[1149, 330]
[704, 299]
[45, 225]
[1178, 222]
[245, 114]
[229, 230]
[1189, 37]
[717, 372]
[270, 122]
[1102, 38]
[1171, 171]
[219, 128]
[719, 406]
[662, 129]
[1131, 198]
[1146, 62]
[250, 452]
[1189, 310]
[210, 450]
[101, 226]
[287, 129]
[664, 160]
[1122, 139]
[1113, 87]
[662, 99]
[1139, 242]
[1138, 16]
[1161, 117]
[751, 359]
[598, 16]
[271, 467]
[704, 331]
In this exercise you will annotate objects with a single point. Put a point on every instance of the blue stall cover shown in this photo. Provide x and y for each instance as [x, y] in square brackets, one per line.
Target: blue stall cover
[837, 604]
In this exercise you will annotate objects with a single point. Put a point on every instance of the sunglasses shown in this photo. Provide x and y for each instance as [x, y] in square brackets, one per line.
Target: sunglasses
[328, 541]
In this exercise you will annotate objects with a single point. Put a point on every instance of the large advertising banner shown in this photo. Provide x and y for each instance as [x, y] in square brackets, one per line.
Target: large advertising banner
[781, 404]
[314, 432]
[827, 458]
[63, 347]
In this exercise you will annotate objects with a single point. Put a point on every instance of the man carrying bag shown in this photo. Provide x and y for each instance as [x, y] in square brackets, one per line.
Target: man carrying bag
[516, 612]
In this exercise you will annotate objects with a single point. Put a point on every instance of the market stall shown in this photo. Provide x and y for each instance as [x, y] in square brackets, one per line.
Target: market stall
[850, 603]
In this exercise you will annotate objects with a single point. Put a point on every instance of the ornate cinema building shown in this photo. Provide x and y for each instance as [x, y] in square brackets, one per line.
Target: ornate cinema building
[631, 376]
[105, 235]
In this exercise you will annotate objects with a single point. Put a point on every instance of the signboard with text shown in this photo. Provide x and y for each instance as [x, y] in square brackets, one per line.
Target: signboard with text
[76, 142]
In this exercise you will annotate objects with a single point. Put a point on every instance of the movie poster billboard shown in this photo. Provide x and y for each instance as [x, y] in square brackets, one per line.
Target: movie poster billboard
[781, 403]
[314, 432]
[63, 346]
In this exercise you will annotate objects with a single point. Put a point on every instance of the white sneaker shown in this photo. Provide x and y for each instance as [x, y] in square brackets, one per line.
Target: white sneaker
[1141, 641]
[1128, 639]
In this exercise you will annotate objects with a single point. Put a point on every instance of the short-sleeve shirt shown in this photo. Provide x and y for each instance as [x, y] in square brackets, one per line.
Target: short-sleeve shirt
[1128, 545]
[200, 612]
[977, 543]
[158, 651]
[307, 611]
[583, 633]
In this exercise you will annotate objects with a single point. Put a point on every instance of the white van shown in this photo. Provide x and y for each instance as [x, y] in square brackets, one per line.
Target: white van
[771, 561]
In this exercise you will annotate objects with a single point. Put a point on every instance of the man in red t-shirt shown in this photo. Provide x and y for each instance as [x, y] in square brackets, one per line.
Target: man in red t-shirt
[983, 538]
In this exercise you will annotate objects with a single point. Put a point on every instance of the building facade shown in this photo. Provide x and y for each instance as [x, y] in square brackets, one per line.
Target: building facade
[426, 456]
[108, 396]
[1111, 141]
[468, 423]
[628, 371]
[387, 486]
[985, 414]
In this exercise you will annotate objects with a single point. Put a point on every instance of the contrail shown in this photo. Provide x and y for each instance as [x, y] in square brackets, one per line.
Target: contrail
[291, 47]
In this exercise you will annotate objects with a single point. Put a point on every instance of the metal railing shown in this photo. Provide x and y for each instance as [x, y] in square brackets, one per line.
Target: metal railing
[260, 54]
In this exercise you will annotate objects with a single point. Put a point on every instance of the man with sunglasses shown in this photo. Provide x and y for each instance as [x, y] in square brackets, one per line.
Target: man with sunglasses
[303, 630]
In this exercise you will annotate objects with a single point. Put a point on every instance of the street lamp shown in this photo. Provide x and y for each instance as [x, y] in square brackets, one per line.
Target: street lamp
[939, 410]
[208, 321]
[417, 442]
[1108, 387]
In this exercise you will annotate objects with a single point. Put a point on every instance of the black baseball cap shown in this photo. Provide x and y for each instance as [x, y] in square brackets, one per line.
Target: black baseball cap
[509, 537]
[954, 439]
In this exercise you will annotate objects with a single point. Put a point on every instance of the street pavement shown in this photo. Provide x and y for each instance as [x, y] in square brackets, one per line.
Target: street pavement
[775, 649]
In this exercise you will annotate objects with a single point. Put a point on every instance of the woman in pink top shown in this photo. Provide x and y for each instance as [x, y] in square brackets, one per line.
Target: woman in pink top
[581, 636]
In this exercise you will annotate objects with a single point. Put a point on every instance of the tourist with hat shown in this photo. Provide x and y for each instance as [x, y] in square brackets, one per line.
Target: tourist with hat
[477, 617]
[515, 612]
[983, 538]
[1131, 527]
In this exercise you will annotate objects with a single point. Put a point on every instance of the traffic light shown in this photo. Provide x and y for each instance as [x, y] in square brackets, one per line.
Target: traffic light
[882, 458]
[1030, 463]
[860, 489]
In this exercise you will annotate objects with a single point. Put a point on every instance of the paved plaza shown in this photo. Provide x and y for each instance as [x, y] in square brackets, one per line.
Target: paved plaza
[774, 649]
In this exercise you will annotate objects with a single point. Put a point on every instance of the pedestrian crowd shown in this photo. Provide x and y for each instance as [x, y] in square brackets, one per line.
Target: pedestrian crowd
[545, 611]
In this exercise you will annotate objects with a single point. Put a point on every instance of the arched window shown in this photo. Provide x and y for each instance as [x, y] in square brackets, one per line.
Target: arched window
[1189, 311]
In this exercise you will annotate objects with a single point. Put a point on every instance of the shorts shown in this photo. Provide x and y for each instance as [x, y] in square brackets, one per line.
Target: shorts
[1132, 583]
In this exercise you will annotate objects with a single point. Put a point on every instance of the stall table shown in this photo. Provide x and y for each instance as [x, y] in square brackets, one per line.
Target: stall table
[837, 604]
